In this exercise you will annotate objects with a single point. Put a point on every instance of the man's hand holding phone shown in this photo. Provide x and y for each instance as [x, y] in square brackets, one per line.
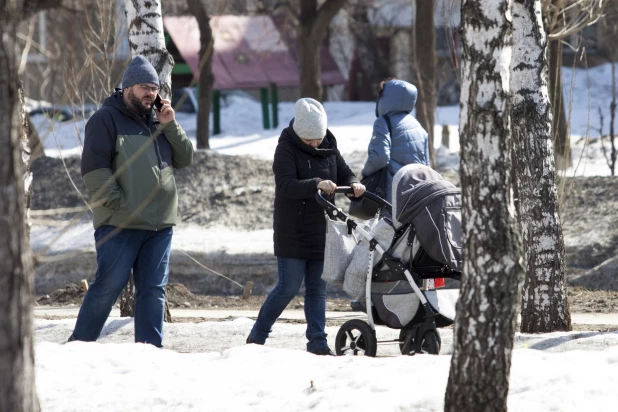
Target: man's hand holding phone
[157, 103]
[164, 111]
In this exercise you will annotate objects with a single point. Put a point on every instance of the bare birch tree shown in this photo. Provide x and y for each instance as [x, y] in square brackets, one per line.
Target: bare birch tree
[146, 38]
[544, 299]
[492, 270]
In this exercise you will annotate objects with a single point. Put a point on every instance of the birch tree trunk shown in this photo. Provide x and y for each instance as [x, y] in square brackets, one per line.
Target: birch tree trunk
[492, 270]
[207, 80]
[544, 299]
[146, 38]
[27, 154]
[425, 62]
[17, 383]
[312, 28]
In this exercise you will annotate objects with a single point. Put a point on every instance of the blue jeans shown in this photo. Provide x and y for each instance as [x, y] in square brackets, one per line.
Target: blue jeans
[147, 254]
[291, 274]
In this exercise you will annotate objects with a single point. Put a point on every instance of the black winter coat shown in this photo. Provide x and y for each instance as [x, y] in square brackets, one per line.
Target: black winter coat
[299, 224]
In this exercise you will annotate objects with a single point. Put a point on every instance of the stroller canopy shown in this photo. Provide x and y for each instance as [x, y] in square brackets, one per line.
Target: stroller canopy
[432, 205]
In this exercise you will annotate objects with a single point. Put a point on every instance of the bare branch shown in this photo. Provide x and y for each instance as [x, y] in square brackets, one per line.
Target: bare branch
[326, 13]
[567, 17]
[32, 7]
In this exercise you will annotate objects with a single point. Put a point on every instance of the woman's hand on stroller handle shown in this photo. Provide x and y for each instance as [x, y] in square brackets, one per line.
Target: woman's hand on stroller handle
[327, 186]
[358, 188]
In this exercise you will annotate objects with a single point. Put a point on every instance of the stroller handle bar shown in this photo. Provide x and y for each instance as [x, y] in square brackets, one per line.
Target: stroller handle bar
[338, 213]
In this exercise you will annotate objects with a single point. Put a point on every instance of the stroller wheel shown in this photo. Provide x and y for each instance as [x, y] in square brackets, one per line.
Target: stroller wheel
[430, 343]
[356, 337]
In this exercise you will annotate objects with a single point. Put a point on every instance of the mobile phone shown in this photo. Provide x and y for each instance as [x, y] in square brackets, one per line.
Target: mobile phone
[157, 103]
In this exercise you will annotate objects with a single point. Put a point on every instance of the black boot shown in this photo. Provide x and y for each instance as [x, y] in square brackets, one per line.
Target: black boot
[251, 340]
[324, 352]
[358, 306]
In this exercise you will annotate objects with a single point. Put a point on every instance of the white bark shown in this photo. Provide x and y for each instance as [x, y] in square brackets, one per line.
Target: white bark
[146, 38]
[492, 271]
[544, 299]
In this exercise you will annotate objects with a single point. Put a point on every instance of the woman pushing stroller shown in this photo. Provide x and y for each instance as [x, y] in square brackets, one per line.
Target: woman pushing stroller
[306, 159]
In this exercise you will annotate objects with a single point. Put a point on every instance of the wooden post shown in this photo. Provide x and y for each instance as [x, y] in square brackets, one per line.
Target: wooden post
[216, 112]
[446, 137]
[274, 101]
[247, 290]
[265, 115]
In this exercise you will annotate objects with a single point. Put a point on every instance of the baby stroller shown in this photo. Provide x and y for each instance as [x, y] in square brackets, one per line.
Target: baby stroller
[397, 270]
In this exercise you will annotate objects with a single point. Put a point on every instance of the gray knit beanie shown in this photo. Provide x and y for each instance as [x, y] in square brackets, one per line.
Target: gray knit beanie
[139, 71]
[309, 119]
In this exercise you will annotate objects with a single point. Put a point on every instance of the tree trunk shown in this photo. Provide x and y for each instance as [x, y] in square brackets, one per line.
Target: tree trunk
[26, 151]
[127, 302]
[146, 38]
[35, 146]
[312, 28]
[492, 270]
[206, 78]
[612, 119]
[309, 52]
[32, 148]
[425, 62]
[371, 60]
[17, 383]
[544, 299]
[562, 141]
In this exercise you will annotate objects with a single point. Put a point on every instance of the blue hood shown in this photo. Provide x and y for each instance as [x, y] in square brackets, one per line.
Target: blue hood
[397, 96]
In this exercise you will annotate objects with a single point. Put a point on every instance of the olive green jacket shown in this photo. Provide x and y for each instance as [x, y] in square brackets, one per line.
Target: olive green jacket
[128, 167]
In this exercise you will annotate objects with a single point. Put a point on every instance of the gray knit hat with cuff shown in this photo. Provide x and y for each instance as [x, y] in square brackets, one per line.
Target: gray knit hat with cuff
[309, 119]
[139, 71]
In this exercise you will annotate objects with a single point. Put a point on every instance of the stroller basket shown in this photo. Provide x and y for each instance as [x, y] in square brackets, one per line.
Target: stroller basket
[395, 310]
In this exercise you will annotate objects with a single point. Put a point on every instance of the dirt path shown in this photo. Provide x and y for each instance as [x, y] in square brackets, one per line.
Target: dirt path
[580, 300]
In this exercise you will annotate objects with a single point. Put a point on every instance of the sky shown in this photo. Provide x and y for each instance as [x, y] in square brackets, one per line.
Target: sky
[207, 367]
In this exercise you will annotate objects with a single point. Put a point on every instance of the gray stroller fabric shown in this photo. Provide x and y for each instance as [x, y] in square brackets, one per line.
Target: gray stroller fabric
[355, 278]
[339, 249]
[433, 206]
[443, 301]
[356, 274]
[396, 310]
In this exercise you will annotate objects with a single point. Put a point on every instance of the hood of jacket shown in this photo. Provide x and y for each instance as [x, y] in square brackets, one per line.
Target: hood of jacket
[327, 148]
[397, 96]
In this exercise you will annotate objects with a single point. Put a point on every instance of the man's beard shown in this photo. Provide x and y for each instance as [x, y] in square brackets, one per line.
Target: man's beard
[137, 104]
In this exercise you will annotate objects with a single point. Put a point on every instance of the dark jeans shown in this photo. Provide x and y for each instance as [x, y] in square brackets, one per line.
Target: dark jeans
[291, 275]
[147, 254]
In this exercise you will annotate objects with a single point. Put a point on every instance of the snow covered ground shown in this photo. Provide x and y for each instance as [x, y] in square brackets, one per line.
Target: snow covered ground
[207, 367]
[557, 372]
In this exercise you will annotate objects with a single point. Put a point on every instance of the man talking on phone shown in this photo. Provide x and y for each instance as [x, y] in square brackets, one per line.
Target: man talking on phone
[130, 153]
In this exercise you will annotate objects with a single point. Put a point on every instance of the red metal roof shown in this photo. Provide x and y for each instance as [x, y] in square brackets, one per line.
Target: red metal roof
[249, 52]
